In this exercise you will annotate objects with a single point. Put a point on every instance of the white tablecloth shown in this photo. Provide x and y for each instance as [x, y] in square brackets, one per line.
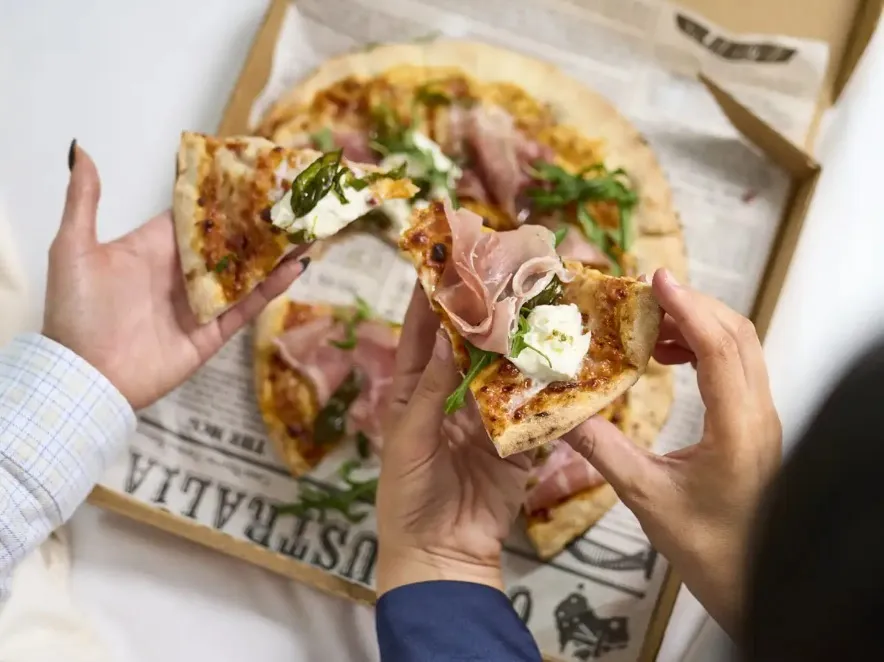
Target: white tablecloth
[125, 79]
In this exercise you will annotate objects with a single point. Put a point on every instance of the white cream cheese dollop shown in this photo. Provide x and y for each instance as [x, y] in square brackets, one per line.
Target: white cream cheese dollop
[556, 342]
[329, 216]
[399, 211]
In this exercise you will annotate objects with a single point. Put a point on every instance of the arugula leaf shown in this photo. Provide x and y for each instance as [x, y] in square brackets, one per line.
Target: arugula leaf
[398, 172]
[595, 183]
[221, 265]
[430, 97]
[560, 235]
[518, 344]
[323, 140]
[339, 499]
[363, 445]
[479, 359]
[331, 421]
[363, 313]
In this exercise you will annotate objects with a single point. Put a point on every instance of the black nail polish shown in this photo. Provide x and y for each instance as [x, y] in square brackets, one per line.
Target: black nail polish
[72, 154]
[305, 262]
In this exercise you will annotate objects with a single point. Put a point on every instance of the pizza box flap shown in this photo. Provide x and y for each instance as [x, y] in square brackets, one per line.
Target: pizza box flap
[845, 25]
[792, 158]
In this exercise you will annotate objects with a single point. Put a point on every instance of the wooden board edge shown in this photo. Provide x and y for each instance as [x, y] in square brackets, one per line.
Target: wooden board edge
[127, 506]
[660, 617]
[254, 74]
[866, 20]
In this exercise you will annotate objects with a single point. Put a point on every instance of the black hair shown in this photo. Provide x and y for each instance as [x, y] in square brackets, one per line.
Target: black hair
[816, 578]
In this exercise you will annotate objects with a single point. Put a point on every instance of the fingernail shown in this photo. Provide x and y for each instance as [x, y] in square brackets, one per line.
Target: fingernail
[670, 278]
[442, 348]
[72, 154]
[305, 262]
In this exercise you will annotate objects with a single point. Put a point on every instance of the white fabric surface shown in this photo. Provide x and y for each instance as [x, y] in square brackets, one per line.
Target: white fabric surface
[40, 620]
[95, 69]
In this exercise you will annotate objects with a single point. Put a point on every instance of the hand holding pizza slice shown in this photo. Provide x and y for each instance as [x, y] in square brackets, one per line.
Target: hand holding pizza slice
[543, 344]
[242, 204]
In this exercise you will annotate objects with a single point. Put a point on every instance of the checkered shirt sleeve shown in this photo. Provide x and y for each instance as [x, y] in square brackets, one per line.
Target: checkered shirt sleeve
[61, 422]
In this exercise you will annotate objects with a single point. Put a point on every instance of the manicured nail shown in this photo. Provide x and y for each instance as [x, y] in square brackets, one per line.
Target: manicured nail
[442, 348]
[305, 262]
[72, 154]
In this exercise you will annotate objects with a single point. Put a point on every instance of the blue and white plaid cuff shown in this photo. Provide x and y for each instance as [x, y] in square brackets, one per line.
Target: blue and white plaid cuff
[61, 423]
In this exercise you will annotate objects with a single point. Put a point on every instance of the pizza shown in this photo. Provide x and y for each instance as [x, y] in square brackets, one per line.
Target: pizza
[322, 376]
[242, 204]
[524, 144]
[544, 344]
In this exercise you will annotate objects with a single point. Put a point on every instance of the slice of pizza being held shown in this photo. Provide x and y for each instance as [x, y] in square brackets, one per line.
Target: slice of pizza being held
[543, 344]
[322, 376]
[241, 204]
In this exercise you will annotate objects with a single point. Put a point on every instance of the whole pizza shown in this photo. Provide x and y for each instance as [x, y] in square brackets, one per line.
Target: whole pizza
[497, 139]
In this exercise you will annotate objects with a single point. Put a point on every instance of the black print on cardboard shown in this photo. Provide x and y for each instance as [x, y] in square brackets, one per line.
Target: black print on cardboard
[586, 633]
[602, 556]
[520, 598]
[733, 51]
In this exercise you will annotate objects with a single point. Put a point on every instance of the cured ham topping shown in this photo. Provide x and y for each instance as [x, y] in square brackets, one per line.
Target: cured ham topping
[312, 350]
[575, 246]
[502, 154]
[491, 274]
[355, 145]
[562, 474]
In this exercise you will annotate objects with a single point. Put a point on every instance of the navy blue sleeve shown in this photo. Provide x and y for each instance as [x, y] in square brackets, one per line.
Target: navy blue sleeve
[452, 622]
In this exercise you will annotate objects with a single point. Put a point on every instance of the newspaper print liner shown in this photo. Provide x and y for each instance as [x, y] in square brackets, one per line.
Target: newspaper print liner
[659, 241]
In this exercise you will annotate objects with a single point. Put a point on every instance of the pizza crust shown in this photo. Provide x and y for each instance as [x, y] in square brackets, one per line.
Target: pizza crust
[269, 325]
[204, 292]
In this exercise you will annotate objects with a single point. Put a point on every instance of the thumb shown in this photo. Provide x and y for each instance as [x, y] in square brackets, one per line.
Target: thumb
[422, 418]
[628, 468]
[81, 204]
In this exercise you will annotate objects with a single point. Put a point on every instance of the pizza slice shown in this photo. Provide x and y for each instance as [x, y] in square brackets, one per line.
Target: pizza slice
[322, 375]
[241, 204]
[543, 344]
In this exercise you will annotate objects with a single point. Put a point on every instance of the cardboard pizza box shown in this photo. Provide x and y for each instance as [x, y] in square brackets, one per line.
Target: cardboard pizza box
[845, 25]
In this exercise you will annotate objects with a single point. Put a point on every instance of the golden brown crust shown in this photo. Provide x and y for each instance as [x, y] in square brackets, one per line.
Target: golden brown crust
[621, 313]
[290, 428]
[223, 193]
[551, 531]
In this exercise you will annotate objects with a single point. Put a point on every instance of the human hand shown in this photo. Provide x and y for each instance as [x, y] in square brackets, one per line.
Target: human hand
[122, 305]
[446, 500]
[697, 505]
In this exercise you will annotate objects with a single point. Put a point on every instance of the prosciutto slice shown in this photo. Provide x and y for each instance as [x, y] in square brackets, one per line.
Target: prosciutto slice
[502, 153]
[307, 348]
[491, 274]
[470, 186]
[355, 145]
[564, 473]
[575, 246]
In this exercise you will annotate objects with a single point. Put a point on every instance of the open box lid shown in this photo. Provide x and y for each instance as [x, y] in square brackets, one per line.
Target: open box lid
[845, 25]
